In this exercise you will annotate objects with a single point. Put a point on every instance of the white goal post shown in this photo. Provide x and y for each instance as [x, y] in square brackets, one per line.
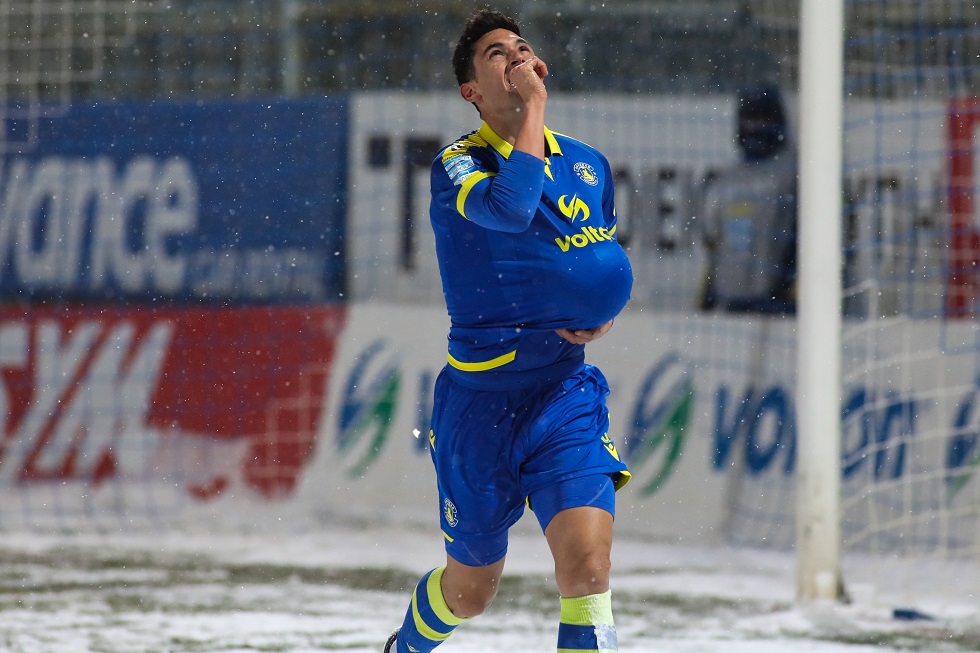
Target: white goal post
[818, 510]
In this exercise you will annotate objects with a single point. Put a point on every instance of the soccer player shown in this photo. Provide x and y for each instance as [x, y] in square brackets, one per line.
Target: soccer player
[531, 270]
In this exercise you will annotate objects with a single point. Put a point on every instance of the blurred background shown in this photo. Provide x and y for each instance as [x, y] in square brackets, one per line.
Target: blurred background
[922, 54]
[218, 294]
[114, 50]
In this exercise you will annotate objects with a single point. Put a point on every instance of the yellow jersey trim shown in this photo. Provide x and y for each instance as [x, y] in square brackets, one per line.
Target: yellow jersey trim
[553, 148]
[486, 136]
[462, 146]
[504, 148]
[466, 187]
[621, 478]
[482, 366]
[571, 138]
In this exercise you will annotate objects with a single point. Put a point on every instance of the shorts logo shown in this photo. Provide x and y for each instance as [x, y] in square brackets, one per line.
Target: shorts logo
[450, 510]
[586, 173]
[609, 446]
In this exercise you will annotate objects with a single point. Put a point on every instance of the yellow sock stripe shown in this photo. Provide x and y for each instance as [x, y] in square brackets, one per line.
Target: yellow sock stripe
[578, 650]
[592, 610]
[438, 601]
[423, 627]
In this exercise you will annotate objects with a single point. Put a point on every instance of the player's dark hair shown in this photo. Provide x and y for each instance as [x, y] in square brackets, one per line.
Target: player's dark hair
[480, 24]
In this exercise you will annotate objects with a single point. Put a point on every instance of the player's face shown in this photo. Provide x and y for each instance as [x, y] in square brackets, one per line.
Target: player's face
[494, 56]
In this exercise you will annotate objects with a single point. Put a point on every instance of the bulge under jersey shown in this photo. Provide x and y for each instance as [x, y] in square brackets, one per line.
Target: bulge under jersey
[525, 247]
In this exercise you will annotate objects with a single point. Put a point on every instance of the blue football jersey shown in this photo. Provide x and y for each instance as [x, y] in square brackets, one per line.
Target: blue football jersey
[525, 247]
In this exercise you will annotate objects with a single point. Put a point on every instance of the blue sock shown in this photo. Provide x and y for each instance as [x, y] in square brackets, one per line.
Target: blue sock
[429, 621]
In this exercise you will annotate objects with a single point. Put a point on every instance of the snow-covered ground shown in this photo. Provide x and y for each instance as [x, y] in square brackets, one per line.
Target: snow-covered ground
[345, 588]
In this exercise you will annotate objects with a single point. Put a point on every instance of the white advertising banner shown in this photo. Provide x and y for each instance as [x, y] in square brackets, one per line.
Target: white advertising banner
[702, 410]
[663, 150]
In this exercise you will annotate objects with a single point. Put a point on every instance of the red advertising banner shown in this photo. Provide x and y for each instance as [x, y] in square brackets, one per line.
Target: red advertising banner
[963, 273]
[93, 393]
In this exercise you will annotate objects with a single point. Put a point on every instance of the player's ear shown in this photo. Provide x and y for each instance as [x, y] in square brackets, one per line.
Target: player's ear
[468, 92]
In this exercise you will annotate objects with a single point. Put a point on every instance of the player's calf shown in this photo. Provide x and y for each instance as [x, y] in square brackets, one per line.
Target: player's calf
[428, 620]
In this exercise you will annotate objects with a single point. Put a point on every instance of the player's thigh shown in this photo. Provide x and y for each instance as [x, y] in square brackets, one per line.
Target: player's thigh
[580, 532]
[580, 540]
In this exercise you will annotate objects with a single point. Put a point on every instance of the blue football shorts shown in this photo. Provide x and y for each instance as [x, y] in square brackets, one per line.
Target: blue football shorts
[496, 450]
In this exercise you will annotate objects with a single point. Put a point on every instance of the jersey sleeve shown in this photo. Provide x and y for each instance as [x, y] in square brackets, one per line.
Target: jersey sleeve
[502, 200]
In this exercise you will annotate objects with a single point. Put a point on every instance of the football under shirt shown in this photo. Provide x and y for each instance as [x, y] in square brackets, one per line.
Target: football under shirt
[525, 247]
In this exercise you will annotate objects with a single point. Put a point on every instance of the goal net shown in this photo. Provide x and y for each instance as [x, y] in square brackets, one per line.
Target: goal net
[911, 446]
[271, 175]
[51, 51]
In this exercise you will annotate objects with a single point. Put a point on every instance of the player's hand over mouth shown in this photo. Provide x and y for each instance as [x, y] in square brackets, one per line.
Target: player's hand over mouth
[527, 79]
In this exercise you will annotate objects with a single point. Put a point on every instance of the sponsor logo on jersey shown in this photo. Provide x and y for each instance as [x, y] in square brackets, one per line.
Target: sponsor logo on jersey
[588, 236]
[574, 209]
[586, 173]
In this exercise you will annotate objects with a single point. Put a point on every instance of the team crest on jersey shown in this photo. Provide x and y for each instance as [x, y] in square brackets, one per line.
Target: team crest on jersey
[451, 517]
[586, 173]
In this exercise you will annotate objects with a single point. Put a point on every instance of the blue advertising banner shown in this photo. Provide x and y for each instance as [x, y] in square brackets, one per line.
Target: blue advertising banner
[237, 202]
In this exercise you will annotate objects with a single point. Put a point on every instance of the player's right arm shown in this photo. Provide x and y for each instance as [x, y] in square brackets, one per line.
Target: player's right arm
[528, 80]
[502, 200]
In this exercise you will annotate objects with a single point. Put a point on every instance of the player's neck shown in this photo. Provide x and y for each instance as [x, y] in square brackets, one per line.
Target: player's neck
[517, 126]
[506, 127]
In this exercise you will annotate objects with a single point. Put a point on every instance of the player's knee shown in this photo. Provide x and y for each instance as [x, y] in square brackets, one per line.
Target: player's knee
[594, 566]
[469, 591]
[471, 602]
[583, 573]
